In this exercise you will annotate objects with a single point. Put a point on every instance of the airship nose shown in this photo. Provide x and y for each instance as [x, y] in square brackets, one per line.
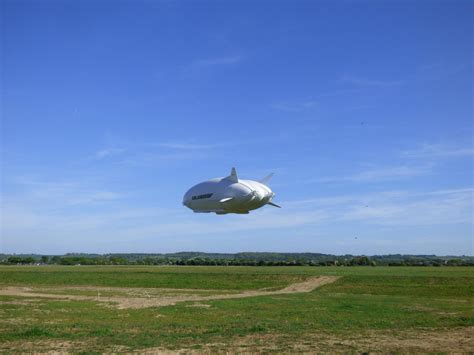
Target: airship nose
[186, 200]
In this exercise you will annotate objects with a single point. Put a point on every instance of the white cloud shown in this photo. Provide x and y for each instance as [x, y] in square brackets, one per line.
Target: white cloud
[216, 61]
[28, 220]
[186, 146]
[294, 106]
[95, 197]
[388, 173]
[147, 159]
[60, 194]
[403, 171]
[438, 151]
[369, 82]
[432, 208]
[451, 191]
[176, 151]
[107, 152]
[145, 154]
[151, 153]
[396, 208]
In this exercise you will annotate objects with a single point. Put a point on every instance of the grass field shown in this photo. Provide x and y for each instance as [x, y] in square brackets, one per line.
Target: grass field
[85, 309]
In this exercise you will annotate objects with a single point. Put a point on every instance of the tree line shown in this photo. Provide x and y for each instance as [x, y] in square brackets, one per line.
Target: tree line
[239, 259]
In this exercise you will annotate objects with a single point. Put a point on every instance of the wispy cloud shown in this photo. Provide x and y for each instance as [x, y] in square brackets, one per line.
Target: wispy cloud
[107, 152]
[388, 173]
[360, 81]
[172, 149]
[406, 169]
[440, 69]
[186, 146]
[217, 61]
[294, 106]
[92, 197]
[383, 208]
[151, 153]
[398, 208]
[431, 208]
[94, 229]
[438, 151]
[146, 159]
[62, 194]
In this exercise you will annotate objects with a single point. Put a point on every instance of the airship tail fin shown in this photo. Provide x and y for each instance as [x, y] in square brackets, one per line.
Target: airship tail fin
[233, 176]
[266, 179]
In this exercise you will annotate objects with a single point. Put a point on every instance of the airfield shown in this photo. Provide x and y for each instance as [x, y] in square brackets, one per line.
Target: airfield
[151, 309]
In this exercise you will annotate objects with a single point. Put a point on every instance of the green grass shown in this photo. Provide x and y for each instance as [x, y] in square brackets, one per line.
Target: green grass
[364, 299]
[216, 278]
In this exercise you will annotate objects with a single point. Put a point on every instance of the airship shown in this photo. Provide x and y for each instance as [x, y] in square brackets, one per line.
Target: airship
[229, 195]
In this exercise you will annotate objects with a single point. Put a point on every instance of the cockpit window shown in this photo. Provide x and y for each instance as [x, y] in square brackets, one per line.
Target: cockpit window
[200, 197]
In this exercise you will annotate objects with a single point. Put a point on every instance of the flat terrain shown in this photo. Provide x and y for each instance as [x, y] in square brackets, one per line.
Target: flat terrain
[151, 309]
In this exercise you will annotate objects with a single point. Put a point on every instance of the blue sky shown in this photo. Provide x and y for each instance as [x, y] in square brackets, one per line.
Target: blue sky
[112, 110]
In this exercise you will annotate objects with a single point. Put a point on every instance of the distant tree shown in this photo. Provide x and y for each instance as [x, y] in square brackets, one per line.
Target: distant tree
[19, 260]
[14, 260]
[360, 260]
[454, 262]
[243, 259]
[117, 260]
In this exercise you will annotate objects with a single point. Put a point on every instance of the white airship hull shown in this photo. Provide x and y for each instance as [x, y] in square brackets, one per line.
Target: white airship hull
[228, 195]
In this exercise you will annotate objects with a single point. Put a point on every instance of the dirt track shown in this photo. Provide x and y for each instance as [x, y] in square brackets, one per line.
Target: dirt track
[167, 300]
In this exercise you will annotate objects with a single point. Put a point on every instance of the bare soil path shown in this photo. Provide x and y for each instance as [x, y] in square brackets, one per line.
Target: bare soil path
[167, 300]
